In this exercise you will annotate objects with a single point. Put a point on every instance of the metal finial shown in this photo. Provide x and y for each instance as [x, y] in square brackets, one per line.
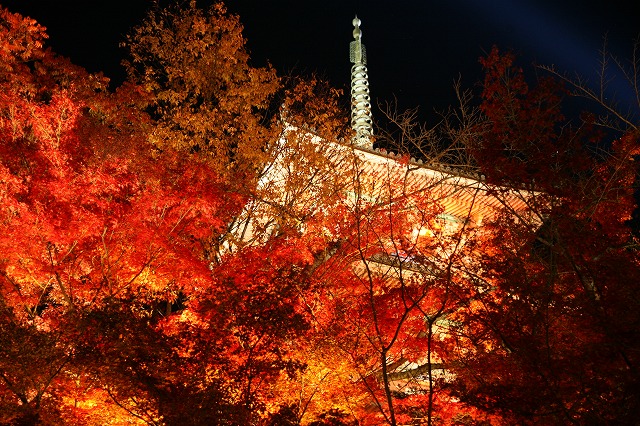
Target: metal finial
[357, 34]
[361, 121]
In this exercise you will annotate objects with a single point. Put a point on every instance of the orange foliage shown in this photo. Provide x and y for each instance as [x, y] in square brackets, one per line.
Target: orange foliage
[171, 253]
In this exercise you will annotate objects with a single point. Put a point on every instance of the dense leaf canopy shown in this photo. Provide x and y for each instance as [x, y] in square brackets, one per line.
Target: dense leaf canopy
[201, 247]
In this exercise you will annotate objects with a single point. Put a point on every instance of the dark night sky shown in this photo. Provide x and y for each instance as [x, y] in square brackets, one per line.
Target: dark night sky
[415, 48]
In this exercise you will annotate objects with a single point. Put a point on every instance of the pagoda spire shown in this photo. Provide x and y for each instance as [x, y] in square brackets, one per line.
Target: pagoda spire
[360, 100]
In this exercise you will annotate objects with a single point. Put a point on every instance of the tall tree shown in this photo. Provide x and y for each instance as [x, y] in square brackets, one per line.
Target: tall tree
[121, 256]
[554, 326]
[204, 95]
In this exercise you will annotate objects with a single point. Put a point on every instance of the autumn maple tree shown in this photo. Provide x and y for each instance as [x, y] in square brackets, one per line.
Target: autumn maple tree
[125, 257]
[203, 95]
[552, 336]
[107, 231]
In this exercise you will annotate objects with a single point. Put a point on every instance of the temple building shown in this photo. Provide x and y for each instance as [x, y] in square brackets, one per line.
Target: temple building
[435, 207]
[381, 176]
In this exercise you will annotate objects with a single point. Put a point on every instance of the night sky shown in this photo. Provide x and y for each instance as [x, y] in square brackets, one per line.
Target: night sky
[415, 48]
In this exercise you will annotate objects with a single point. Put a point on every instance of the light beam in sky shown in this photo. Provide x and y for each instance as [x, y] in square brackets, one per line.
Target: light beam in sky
[570, 46]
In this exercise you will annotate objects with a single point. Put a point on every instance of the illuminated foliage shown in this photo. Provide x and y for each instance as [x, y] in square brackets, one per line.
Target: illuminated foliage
[176, 252]
[107, 287]
[555, 340]
[203, 94]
